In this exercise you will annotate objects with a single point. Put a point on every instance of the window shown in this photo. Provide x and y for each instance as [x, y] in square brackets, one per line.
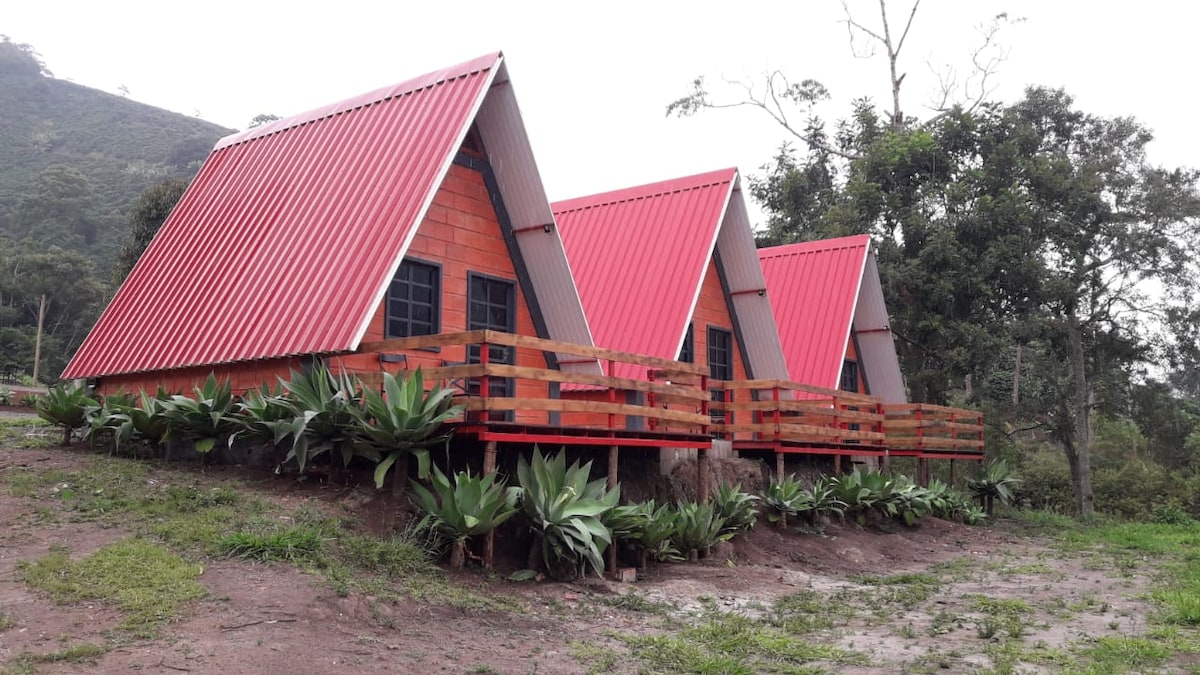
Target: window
[720, 365]
[720, 354]
[414, 300]
[849, 376]
[492, 305]
[687, 353]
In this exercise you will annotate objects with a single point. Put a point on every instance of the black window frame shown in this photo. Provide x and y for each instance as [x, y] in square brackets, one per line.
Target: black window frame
[719, 341]
[497, 386]
[435, 304]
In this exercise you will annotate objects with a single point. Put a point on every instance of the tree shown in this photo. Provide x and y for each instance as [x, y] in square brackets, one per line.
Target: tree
[59, 208]
[261, 119]
[149, 212]
[1118, 243]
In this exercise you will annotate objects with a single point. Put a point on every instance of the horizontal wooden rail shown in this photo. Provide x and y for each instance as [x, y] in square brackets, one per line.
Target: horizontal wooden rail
[569, 405]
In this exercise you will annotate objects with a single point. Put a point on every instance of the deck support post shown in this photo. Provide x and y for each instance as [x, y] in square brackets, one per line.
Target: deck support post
[837, 465]
[489, 540]
[702, 461]
[922, 472]
[779, 457]
[613, 453]
[952, 472]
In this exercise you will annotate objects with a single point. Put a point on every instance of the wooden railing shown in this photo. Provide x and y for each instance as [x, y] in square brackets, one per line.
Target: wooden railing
[933, 429]
[782, 411]
[504, 377]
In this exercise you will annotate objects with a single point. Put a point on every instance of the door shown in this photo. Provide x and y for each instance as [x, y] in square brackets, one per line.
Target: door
[492, 305]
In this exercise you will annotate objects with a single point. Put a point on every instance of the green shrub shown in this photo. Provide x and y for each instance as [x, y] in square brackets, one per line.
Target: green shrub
[564, 511]
[65, 405]
[698, 528]
[471, 506]
[738, 509]
[205, 418]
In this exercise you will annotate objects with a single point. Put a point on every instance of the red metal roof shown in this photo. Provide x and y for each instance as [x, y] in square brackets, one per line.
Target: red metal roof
[639, 257]
[281, 244]
[814, 289]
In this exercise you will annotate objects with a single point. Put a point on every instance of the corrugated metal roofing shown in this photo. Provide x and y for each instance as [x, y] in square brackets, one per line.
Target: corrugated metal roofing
[640, 255]
[813, 288]
[284, 242]
[819, 291]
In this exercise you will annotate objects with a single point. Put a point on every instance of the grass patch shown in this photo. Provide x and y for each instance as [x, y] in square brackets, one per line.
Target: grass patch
[637, 602]
[734, 644]
[85, 652]
[295, 544]
[145, 580]
[598, 659]
[1124, 654]
[6, 621]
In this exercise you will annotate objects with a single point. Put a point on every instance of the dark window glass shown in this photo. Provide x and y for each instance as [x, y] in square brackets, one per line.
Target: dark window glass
[414, 300]
[720, 364]
[687, 353]
[849, 376]
[492, 306]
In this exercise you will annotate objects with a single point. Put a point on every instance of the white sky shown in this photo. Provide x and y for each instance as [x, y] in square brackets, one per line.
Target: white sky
[593, 79]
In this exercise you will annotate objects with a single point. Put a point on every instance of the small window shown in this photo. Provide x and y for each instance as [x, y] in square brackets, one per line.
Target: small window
[687, 353]
[720, 354]
[414, 300]
[849, 376]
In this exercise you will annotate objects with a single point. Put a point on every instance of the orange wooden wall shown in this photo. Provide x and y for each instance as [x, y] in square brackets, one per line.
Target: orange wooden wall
[462, 234]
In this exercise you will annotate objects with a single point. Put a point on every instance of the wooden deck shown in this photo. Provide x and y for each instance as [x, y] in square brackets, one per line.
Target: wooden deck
[675, 406]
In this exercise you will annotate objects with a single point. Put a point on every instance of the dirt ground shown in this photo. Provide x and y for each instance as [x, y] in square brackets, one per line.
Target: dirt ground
[913, 600]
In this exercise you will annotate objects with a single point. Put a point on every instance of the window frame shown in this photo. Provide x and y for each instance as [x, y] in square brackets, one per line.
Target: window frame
[435, 304]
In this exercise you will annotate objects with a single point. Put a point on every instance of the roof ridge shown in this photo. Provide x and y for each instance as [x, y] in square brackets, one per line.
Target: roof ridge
[634, 192]
[372, 97]
[816, 245]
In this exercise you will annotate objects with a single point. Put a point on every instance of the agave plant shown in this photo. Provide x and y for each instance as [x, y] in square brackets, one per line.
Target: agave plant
[472, 505]
[203, 418]
[564, 511]
[325, 414]
[994, 482]
[911, 502]
[823, 499]
[738, 509]
[264, 416]
[146, 420]
[65, 405]
[405, 420]
[6, 395]
[108, 419]
[647, 528]
[866, 491]
[698, 528]
[785, 497]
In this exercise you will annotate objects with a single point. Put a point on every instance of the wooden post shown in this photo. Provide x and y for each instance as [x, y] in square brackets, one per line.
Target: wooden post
[778, 465]
[837, 465]
[702, 474]
[922, 472]
[612, 484]
[37, 343]
[489, 541]
[951, 473]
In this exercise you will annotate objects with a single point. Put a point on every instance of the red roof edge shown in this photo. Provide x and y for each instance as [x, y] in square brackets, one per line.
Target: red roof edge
[648, 190]
[382, 94]
[853, 241]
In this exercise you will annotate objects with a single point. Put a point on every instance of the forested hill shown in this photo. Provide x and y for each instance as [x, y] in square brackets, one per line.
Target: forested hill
[73, 159]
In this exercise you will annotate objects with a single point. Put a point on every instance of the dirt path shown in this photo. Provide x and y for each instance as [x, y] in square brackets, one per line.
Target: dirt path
[941, 597]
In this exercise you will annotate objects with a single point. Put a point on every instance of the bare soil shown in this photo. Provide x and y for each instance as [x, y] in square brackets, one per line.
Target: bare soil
[275, 618]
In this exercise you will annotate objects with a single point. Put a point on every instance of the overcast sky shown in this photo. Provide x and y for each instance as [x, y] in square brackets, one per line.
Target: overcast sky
[593, 79]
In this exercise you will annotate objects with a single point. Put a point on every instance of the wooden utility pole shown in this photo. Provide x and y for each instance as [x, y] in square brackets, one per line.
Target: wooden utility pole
[37, 345]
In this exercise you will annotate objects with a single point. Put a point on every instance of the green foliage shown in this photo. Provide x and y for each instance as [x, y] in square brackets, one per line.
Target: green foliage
[564, 511]
[784, 497]
[6, 395]
[326, 414]
[263, 416]
[405, 419]
[699, 527]
[65, 405]
[148, 582]
[294, 544]
[647, 527]
[148, 214]
[471, 506]
[995, 482]
[738, 509]
[205, 418]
